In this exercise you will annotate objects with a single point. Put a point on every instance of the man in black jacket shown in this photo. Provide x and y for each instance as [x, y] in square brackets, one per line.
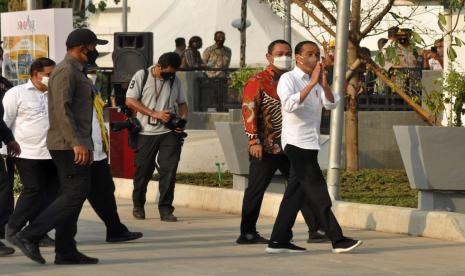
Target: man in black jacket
[13, 150]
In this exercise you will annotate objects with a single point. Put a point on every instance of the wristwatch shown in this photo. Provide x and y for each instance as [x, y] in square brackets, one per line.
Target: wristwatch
[253, 142]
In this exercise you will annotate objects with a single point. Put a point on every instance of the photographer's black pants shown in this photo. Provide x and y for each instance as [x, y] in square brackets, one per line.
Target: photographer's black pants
[260, 174]
[311, 188]
[162, 152]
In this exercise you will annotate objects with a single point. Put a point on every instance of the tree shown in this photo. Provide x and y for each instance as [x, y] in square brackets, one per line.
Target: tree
[243, 31]
[317, 18]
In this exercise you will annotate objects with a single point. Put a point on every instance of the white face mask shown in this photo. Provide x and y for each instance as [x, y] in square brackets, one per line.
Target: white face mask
[282, 63]
[44, 81]
[92, 77]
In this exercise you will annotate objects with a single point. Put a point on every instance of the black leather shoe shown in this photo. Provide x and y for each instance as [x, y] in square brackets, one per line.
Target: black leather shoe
[168, 218]
[252, 238]
[29, 248]
[138, 212]
[317, 237]
[74, 259]
[5, 250]
[126, 236]
[47, 242]
[9, 234]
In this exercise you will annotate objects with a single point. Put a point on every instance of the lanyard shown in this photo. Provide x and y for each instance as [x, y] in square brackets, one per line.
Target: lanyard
[158, 92]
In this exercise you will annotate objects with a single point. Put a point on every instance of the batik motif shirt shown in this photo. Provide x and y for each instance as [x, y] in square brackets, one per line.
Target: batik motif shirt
[261, 111]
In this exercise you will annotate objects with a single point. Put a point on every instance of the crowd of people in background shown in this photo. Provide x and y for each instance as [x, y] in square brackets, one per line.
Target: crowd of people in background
[216, 56]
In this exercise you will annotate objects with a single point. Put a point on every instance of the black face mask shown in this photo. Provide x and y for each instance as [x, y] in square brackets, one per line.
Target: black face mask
[92, 56]
[167, 75]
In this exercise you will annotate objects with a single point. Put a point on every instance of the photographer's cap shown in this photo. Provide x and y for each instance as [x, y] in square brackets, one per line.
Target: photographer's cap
[80, 37]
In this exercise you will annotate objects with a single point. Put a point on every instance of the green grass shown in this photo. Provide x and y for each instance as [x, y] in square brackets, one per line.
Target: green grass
[372, 186]
[381, 187]
[203, 179]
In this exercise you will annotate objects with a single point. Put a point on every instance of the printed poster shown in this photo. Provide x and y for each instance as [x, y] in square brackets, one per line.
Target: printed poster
[19, 52]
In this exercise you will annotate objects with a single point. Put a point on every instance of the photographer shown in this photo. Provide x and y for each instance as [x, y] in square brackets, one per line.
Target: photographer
[154, 94]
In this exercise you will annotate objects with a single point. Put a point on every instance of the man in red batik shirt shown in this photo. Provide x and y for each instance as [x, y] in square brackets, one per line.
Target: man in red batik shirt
[261, 111]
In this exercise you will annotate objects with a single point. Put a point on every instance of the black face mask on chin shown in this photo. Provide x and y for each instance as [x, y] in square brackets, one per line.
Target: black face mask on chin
[167, 75]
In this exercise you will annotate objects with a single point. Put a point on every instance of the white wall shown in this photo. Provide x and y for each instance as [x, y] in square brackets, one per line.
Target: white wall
[56, 23]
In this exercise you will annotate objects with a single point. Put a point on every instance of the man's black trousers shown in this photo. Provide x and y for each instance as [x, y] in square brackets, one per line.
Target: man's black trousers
[260, 174]
[102, 197]
[309, 187]
[162, 152]
[40, 188]
[62, 214]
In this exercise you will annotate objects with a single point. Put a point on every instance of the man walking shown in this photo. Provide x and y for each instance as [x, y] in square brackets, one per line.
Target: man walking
[26, 114]
[155, 101]
[304, 91]
[261, 110]
[102, 192]
[13, 149]
[69, 141]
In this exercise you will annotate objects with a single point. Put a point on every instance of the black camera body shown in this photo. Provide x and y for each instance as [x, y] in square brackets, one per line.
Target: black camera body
[176, 122]
[132, 124]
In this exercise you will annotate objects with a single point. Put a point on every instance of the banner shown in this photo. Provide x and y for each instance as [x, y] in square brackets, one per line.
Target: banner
[19, 52]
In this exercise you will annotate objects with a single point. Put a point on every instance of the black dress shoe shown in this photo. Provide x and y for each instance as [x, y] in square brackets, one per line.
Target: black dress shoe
[5, 250]
[252, 238]
[317, 237]
[9, 234]
[47, 242]
[168, 218]
[29, 248]
[74, 259]
[138, 212]
[126, 236]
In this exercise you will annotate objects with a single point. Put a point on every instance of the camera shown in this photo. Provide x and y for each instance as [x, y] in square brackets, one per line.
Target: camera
[132, 124]
[176, 122]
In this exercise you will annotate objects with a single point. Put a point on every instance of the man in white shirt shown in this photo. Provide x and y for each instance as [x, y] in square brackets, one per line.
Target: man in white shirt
[303, 92]
[26, 113]
[101, 195]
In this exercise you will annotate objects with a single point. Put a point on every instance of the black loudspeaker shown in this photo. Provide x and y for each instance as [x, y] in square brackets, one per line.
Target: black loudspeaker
[133, 51]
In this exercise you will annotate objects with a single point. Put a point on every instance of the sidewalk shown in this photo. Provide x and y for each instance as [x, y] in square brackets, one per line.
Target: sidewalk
[202, 243]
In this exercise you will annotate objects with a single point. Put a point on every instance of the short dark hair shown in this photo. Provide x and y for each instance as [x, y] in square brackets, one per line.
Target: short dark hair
[180, 41]
[277, 41]
[300, 45]
[194, 39]
[39, 64]
[219, 32]
[169, 59]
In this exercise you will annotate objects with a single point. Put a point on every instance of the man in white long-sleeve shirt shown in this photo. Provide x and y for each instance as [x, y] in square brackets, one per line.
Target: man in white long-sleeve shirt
[303, 92]
[26, 113]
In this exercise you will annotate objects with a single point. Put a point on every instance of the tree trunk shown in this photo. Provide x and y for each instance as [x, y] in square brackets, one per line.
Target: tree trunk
[353, 87]
[243, 30]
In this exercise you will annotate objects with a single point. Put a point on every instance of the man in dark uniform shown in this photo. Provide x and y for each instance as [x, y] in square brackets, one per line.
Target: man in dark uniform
[6, 173]
[13, 150]
[69, 140]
